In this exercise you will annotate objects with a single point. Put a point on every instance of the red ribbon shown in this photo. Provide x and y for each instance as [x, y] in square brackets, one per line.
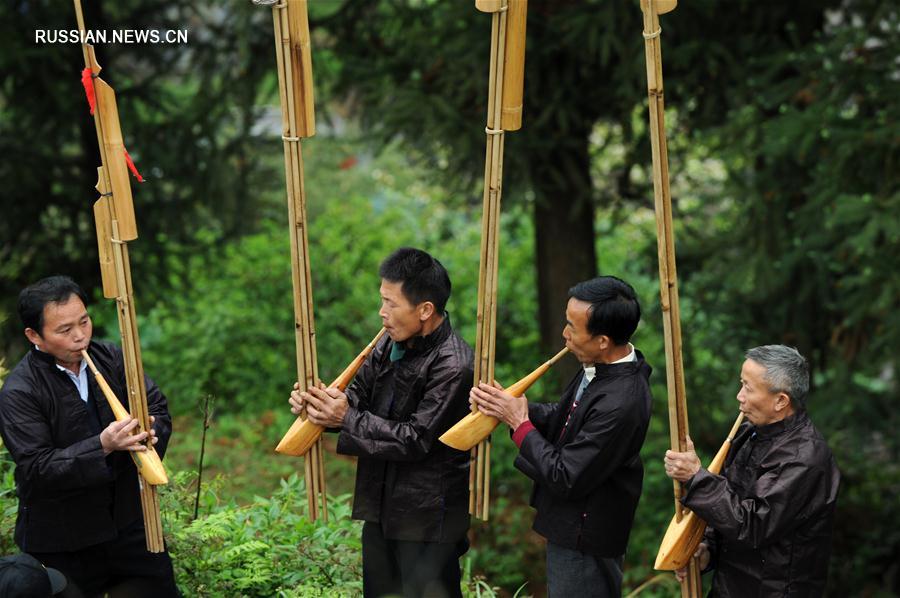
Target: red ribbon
[87, 79]
[133, 168]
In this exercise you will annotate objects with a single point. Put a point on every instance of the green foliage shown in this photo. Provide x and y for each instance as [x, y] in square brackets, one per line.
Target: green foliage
[8, 504]
[199, 152]
[783, 147]
[803, 250]
[266, 548]
[226, 326]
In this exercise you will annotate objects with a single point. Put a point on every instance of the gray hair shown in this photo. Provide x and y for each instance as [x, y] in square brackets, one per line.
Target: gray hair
[786, 371]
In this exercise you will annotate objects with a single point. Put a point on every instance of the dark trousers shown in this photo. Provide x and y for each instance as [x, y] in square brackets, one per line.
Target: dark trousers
[409, 569]
[574, 573]
[120, 567]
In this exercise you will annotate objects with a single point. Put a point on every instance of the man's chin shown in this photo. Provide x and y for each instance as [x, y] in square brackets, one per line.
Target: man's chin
[396, 337]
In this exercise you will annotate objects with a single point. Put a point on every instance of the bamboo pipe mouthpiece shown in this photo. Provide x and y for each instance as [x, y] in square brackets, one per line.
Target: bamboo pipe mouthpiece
[683, 537]
[477, 426]
[303, 434]
[148, 463]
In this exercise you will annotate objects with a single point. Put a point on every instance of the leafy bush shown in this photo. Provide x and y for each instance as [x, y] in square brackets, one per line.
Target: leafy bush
[266, 548]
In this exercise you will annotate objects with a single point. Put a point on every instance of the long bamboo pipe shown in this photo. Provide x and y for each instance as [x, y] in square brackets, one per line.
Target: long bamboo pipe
[477, 426]
[506, 74]
[116, 225]
[148, 463]
[683, 537]
[303, 433]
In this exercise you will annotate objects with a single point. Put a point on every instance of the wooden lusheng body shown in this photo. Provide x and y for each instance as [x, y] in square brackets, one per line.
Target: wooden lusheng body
[684, 536]
[477, 426]
[303, 434]
[148, 463]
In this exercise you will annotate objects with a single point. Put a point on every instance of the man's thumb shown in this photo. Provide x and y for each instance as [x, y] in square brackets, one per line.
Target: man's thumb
[689, 444]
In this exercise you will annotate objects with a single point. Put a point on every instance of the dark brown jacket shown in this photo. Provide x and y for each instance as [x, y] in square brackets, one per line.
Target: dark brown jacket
[588, 481]
[770, 515]
[414, 485]
[70, 494]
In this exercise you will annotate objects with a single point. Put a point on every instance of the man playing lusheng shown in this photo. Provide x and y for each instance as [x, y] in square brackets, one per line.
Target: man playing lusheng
[583, 451]
[79, 508]
[411, 490]
[770, 514]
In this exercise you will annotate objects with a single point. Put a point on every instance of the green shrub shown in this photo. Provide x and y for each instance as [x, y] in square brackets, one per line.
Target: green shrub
[266, 548]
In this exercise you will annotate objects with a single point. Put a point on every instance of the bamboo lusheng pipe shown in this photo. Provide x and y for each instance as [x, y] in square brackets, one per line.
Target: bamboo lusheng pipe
[668, 279]
[505, 82]
[295, 86]
[148, 463]
[477, 426]
[668, 282]
[683, 537]
[303, 433]
[115, 224]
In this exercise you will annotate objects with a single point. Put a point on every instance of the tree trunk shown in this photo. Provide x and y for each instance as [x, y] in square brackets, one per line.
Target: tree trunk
[564, 238]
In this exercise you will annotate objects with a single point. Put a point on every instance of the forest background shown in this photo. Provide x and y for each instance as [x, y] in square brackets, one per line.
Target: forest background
[784, 143]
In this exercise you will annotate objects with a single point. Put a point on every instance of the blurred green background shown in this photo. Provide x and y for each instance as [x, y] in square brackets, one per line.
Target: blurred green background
[784, 145]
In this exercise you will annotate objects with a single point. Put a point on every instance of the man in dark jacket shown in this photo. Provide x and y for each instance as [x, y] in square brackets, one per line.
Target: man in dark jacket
[411, 490]
[79, 504]
[583, 451]
[770, 514]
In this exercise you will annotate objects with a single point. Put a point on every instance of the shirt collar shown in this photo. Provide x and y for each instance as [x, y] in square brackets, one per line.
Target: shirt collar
[591, 370]
[628, 358]
[81, 369]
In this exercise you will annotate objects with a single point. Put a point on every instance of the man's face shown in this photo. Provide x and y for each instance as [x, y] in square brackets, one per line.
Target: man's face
[758, 402]
[67, 330]
[402, 319]
[586, 347]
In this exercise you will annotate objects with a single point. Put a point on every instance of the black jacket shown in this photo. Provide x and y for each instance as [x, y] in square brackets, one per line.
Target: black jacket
[70, 495]
[414, 485]
[588, 482]
[770, 516]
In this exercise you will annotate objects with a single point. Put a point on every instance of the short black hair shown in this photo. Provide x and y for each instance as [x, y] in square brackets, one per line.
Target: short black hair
[53, 289]
[423, 278]
[614, 310]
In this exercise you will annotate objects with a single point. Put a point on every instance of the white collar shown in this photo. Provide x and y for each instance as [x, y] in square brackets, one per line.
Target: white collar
[628, 358]
[590, 370]
[81, 369]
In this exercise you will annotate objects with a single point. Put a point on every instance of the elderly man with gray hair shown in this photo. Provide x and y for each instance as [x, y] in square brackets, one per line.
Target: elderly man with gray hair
[770, 514]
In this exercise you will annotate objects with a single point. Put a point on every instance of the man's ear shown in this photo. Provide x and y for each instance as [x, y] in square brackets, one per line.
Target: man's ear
[604, 342]
[782, 401]
[426, 310]
[33, 337]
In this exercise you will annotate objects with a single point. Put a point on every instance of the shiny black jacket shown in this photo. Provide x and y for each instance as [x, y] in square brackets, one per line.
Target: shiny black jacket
[771, 514]
[588, 482]
[70, 494]
[414, 485]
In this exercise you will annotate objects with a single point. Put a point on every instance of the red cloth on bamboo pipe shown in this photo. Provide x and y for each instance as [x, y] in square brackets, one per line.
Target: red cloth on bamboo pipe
[87, 80]
[133, 168]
